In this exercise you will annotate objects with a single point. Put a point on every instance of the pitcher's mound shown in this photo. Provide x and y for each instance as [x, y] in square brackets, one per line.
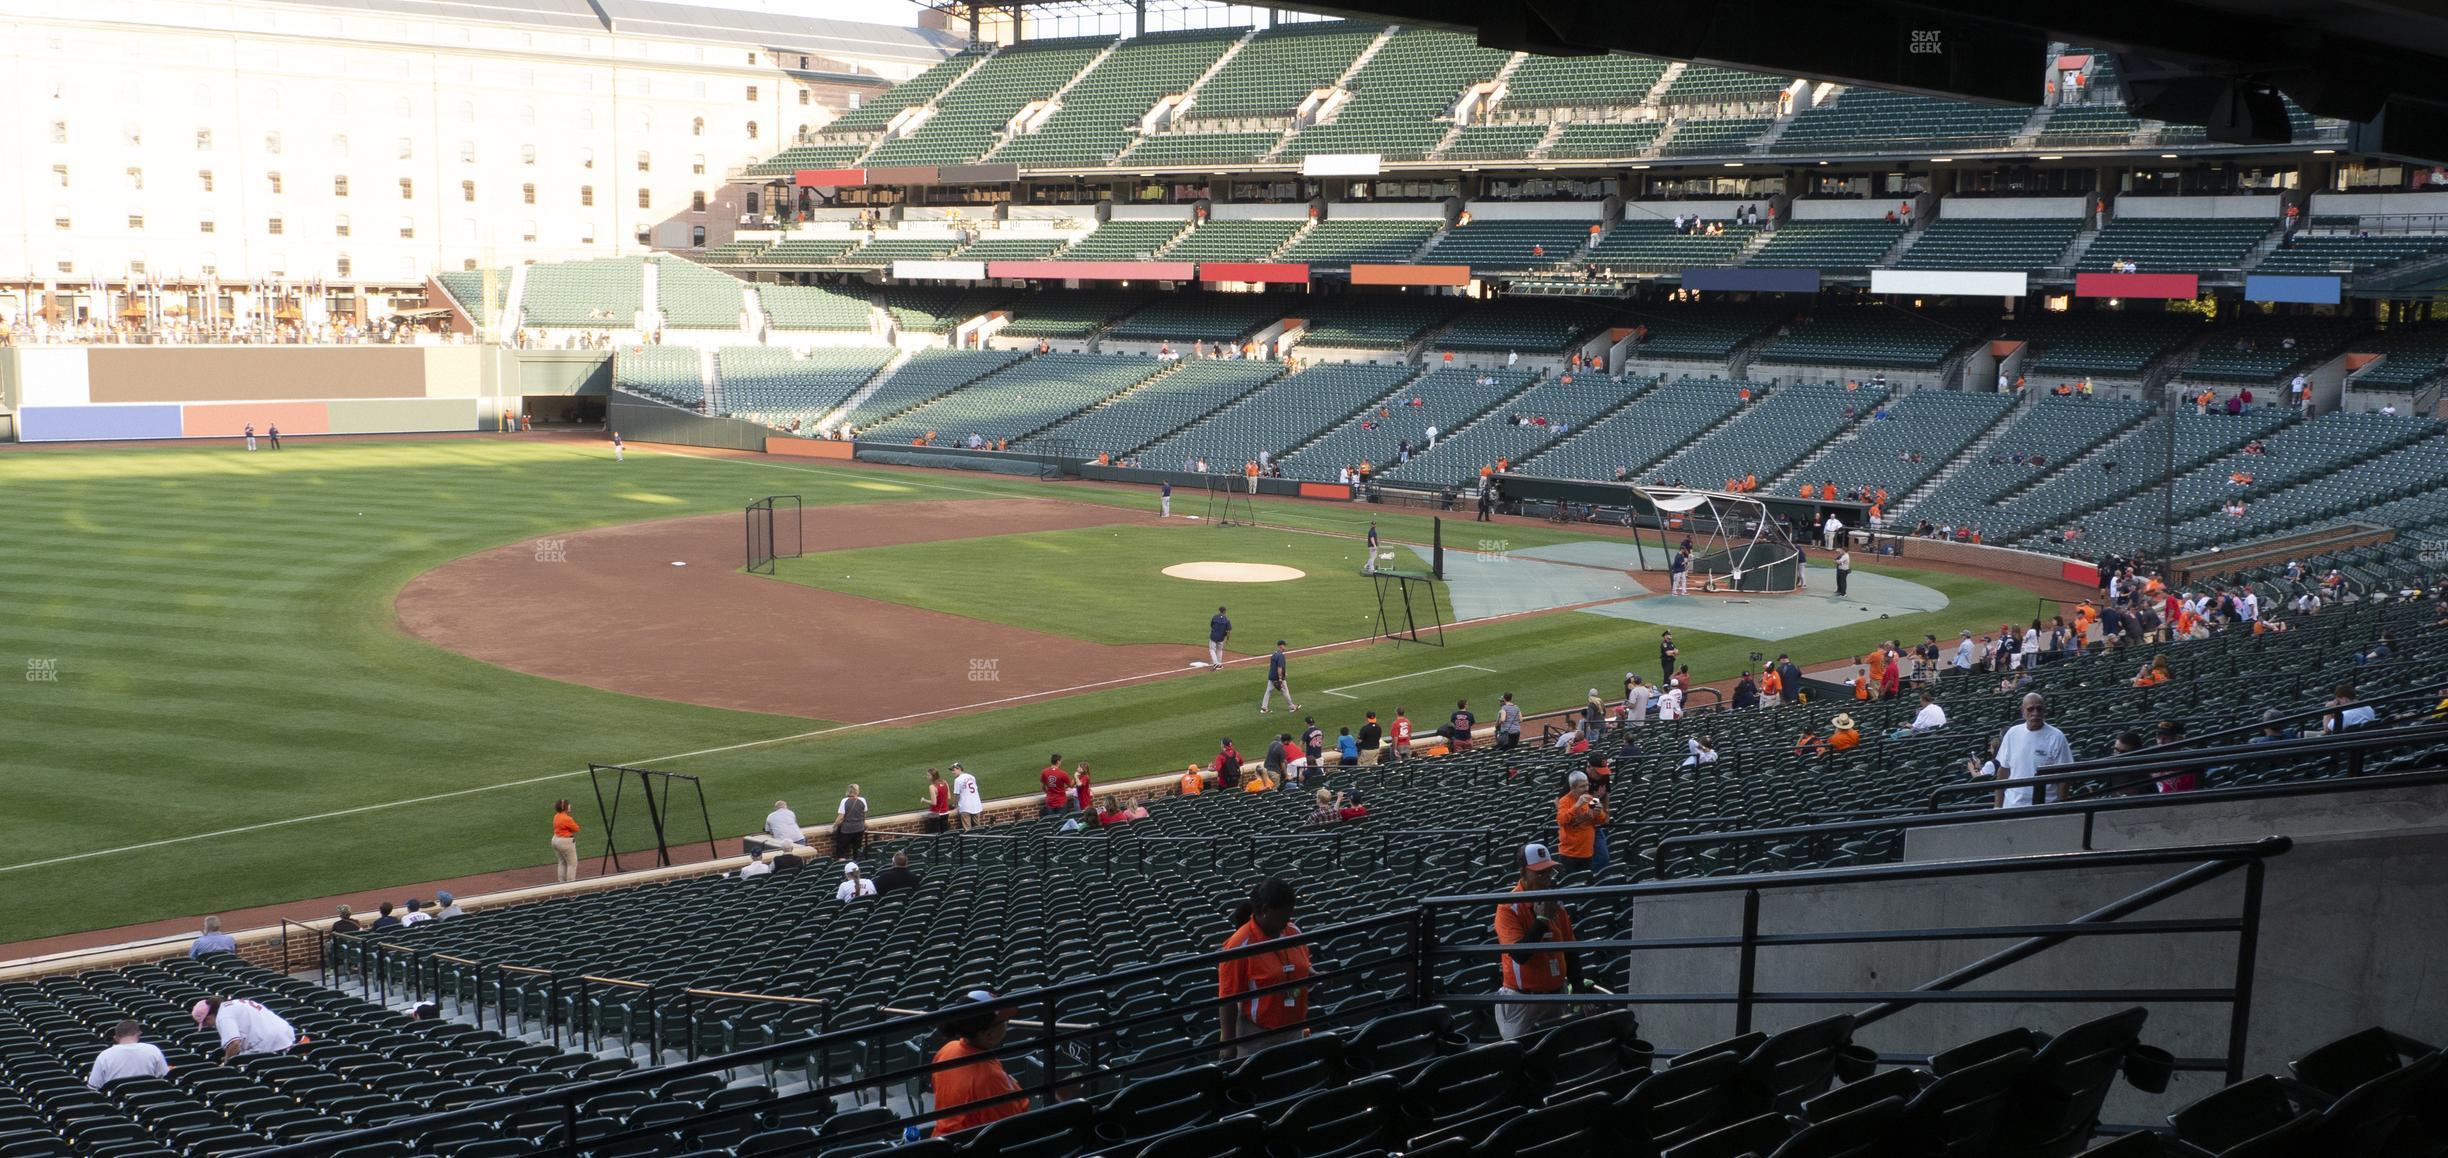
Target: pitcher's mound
[1235, 572]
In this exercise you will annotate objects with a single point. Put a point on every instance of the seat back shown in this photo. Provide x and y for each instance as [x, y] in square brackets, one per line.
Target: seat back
[1239, 1136]
[1158, 1105]
[1869, 1132]
[1061, 1130]
[1360, 1118]
[1587, 1050]
[1296, 1067]
[1682, 1102]
[1798, 1063]
[1752, 1136]
[2057, 1105]
[1465, 1085]
[1962, 1114]
[2334, 1068]
[1571, 1129]
[1399, 1040]
[2368, 1116]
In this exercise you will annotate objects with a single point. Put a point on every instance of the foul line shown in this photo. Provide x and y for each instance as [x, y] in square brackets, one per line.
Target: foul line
[1408, 675]
[820, 732]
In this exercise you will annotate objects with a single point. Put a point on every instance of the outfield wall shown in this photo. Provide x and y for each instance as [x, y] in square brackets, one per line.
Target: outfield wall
[65, 393]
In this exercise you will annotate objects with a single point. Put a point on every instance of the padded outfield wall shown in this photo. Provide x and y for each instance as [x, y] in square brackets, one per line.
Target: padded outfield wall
[72, 393]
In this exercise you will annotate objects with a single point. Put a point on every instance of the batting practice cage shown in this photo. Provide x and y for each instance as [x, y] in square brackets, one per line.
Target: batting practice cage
[773, 532]
[1228, 501]
[648, 808]
[1736, 545]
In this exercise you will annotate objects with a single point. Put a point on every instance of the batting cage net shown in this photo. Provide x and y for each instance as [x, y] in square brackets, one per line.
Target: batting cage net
[773, 532]
[1228, 501]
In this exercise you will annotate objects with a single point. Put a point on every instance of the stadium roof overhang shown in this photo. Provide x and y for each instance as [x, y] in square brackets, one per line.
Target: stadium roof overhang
[2219, 63]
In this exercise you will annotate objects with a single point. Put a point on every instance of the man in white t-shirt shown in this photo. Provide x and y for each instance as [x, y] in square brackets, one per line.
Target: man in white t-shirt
[1636, 700]
[245, 1026]
[965, 800]
[1931, 717]
[416, 914]
[2295, 392]
[1833, 528]
[853, 885]
[782, 827]
[127, 1057]
[2029, 747]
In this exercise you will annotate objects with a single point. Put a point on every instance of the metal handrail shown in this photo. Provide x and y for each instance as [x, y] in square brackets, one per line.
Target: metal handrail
[1045, 998]
[2148, 764]
[2207, 863]
[2087, 808]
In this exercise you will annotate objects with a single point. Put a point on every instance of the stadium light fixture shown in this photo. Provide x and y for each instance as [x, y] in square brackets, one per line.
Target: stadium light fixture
[1940, 160]
[1645, 166]
[1734, 164]
[2323, 152]
[2052, 156]
[2167, 156]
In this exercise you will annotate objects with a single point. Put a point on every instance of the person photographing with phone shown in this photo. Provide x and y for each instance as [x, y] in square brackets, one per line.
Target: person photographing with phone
[1533, 973]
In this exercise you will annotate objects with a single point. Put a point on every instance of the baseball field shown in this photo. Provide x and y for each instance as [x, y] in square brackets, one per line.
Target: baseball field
[238, 680]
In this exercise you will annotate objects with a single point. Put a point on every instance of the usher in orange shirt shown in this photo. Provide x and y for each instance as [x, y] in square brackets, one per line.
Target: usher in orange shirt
[972, 1082]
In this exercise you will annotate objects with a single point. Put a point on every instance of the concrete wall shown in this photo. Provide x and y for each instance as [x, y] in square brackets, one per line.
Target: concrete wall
[124, 392]
[2012, 207]
[2137, 206]
[2350, 935]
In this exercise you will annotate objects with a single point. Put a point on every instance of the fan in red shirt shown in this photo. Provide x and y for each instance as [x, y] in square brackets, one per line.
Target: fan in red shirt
[938, 802]
[1249, 1014]
[1087, 795]
[1057, 786]
[1402, 738]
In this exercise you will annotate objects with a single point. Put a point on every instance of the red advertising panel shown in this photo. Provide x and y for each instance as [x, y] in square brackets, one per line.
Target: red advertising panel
[1410, 275]
[2137, 285]
[1295, 273]
[1095, 270]
[807, 177]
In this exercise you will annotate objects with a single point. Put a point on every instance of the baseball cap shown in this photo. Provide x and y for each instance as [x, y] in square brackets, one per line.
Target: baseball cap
[1279, 643]
[956, 766]
[979, 997]
[849, 866]
[443, 897]
[1534, 857]
[2272, 716]
[1967, 634]
[202, 1010]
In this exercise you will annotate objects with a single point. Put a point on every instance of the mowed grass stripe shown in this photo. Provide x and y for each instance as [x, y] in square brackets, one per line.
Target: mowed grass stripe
[301, 698]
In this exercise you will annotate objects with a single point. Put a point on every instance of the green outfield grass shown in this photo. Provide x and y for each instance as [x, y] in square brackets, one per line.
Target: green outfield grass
[1108, 583]
[226, 662]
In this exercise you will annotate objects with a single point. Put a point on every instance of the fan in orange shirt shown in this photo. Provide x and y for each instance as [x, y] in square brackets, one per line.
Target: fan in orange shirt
[1249, 1012]
[1844, 736]
[960, 1087]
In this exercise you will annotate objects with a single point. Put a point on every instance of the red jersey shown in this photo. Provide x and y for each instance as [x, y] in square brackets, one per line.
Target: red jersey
[1402, 729]
[1057, 786]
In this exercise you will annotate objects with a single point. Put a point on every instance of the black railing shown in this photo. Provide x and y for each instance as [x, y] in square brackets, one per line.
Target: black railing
[2346, 755]
[1068, 1055]
[2203, 865]
[1395, 963]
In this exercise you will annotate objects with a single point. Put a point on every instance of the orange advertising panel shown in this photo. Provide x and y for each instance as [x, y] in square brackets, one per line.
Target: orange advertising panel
[229, 419]
[810, 448]
[1310, 490]
[1410, 275]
